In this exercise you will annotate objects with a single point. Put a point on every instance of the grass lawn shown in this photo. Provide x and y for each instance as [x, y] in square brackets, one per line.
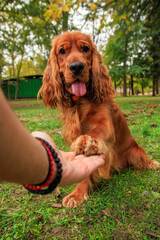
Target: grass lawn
[125, 207]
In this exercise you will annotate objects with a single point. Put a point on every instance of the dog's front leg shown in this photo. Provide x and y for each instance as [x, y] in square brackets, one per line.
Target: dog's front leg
[99, 139]
[79, 195]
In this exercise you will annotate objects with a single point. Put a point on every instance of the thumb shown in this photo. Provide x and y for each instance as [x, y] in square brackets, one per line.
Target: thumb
[94, 162]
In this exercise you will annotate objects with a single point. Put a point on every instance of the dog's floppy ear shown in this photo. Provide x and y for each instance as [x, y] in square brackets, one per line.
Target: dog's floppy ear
[47, 90]
[101, 82]
[52, 89]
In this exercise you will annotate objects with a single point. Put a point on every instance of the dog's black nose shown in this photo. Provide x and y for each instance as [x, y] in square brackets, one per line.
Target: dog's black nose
[76, 67]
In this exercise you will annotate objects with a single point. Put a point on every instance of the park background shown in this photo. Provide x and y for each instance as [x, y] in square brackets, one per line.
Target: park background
[127, 34]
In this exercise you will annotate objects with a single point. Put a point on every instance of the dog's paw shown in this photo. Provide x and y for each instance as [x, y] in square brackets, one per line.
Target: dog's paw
[74, 200]
[153, 164]
[88, 146]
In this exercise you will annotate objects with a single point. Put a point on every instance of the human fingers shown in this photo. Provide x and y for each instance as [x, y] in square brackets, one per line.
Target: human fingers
[79, 169]
[93, 162]
[82, 156]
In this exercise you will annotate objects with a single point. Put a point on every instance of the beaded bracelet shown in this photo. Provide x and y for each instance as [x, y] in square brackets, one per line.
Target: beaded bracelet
[52, 157]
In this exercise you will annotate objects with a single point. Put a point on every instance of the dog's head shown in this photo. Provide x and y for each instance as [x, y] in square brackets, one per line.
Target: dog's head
[75, 68]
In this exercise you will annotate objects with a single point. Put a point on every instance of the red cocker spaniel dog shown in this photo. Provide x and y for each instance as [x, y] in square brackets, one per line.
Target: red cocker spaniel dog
[78, 83]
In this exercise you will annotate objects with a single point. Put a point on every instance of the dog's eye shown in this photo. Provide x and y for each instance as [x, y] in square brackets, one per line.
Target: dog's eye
[62, 51]
[85, 49]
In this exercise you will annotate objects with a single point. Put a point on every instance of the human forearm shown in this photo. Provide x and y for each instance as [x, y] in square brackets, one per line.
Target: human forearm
[22, 158]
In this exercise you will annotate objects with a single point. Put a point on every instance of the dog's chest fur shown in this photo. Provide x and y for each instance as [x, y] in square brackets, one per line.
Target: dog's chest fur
[82, 118]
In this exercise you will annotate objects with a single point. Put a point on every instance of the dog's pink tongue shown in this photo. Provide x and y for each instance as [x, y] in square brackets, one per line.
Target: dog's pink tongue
[79, 88]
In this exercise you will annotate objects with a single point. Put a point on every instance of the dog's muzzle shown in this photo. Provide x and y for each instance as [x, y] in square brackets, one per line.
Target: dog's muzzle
[76, 68]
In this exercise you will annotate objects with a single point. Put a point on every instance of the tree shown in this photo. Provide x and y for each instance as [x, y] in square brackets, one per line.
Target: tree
[113, 57]
[20, 38]
[134, 26]
[119, 47]
[14, 42]
[134, 44]
[150, 10]
[92, 12]
[153, 27]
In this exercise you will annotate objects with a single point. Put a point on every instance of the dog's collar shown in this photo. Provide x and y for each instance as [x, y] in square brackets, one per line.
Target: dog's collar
[74, 98]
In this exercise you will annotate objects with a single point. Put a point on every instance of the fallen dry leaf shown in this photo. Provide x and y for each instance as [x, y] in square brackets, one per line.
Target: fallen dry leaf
[56, 205]
[106, 212]
[57, 131]
[150, 112]
[40, 115]
[23, 120]
[126, 115]
[58, 193]
[153, 124]
[155, 106]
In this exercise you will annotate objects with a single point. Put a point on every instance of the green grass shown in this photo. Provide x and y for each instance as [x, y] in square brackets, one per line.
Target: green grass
[125, 207]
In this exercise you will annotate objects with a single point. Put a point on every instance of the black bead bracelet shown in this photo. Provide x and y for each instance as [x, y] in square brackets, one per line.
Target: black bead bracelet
[52, 157]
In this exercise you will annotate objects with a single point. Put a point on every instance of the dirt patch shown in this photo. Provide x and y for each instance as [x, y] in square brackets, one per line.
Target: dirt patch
[25, 105]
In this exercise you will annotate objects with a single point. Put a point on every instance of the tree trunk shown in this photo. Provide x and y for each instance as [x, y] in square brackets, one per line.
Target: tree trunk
[124, 81]
[18, 73]
[8, 90]
[132, 84]
[13, 64]
[157, 85]
[142, 88]
[65, 21]
[16, 92]
[124, 69]
[154, 86]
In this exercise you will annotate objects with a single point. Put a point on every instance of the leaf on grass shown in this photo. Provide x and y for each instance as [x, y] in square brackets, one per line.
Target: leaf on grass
[150, 112]
[23, 120]
[40, 115]
[58, 193]
[155, 106]
[135, 111]
[132, 122]
[57, 131]
[146, 206]
[56, 205]
[106, 212]
[153, 124]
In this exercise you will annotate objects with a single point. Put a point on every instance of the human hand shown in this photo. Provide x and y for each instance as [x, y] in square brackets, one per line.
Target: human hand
[75, 168]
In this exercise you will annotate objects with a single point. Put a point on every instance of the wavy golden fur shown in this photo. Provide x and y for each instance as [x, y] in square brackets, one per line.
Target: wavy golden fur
[93, 123]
